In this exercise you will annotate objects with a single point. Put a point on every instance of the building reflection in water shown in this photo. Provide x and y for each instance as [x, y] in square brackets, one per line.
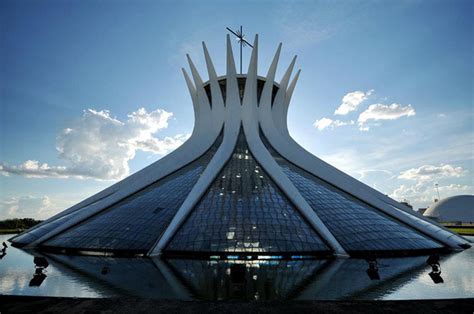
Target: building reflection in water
[139, 277]
[257, 279]
[246, 279]
[350, 279]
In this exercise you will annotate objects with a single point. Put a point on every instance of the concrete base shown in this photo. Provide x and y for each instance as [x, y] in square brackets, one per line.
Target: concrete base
[10, 304]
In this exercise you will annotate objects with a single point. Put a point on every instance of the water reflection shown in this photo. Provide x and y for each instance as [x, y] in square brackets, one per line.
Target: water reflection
[435, 273]
[4, 250]
[249, 280]
[186, 279]
[373, 270]
[40, 268]
[105, 270]
[240, 279]
[140, 277]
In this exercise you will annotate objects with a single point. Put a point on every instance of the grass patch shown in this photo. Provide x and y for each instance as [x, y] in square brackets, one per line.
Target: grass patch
[10, 231]
[463, 231]
[17, 225]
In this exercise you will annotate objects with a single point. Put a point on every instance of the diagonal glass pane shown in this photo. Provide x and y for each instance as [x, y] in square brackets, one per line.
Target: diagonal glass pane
[356, 225]
[135, 223]
[244, 211]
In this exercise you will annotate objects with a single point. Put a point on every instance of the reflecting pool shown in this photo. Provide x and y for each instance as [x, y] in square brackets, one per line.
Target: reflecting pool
[26, 272]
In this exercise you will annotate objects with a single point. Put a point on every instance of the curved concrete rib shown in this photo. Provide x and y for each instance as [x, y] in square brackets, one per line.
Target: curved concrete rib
[285, 145]
[218, 161]
[284, 110]
[266, 97]
[203, 136]
[266, 161]
[216, 94]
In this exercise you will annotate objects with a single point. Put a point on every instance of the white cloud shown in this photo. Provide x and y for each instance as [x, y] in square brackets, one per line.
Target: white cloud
[351, 101]
[100, 146]
[429, 172]
[422, 194]
[325, 123]
[28, 207]
[455, 189]
[419, 192]
[163, 146]
[364, 173]
[378, 112]
[423, 191]
[33, 169]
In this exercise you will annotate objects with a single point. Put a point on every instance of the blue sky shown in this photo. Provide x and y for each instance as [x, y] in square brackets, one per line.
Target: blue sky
[74, 76]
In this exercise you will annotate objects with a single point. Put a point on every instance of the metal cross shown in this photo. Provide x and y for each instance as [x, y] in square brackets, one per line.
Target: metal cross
[242, 42]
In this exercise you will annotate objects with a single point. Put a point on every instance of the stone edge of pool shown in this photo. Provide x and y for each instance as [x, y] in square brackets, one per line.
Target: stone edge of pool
[16, 304]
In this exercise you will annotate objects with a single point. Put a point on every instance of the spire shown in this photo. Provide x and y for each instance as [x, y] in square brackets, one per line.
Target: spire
[231, 83]
[291, 88]
[201, 93]
[209, 64]
[268, 87]
[216, 94]
[230, 59]
[191, 88]
[284, 82]
[194, 72]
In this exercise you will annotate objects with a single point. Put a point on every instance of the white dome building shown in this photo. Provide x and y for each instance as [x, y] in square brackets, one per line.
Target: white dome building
[454, 209]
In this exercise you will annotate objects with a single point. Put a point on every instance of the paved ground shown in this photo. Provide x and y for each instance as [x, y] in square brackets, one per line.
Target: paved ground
[15, 304]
